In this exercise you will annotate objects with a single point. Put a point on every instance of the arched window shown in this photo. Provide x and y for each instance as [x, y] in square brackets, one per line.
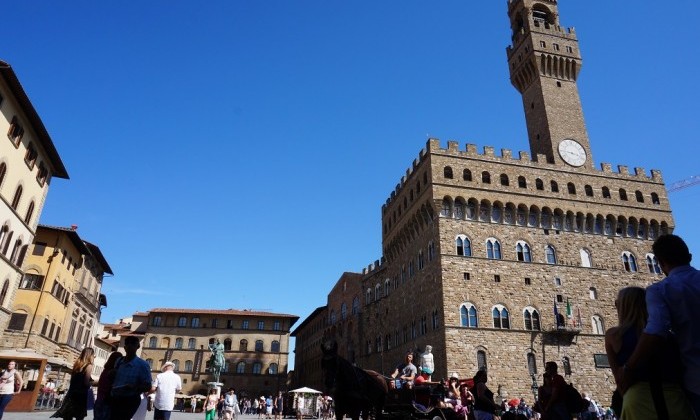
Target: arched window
[3, 293]
[597, 323]
[585, 258]
[344, 306]
[191, 344]
[481, 360]
[593, 293]
[571, 187]
[178, 343]
[629, 262]
[606, 192]
[539, 185]
[589, 190]
[272, 370]
[227, 344]
[467, 175]
[3, 171]
[468, 315]
[554, 186]
[504, 180]
[532, 319]
[446, 208]
[195, 322]
[493, 249]
[182, 321]
[623, 194]
[257, 368]
[654, 198]
[522, 251]
[639, 196]
[17, 197]
[550, 254]
[275, 347]
[30, 213]
[464, 246]
[447, 172]
[486, 177]
[500, 317]
[531, 364]
[177, 365]
[471, 210]
[188, 366]
[332, 315]
[522, 183]
[355, 305]
[368, 296]
[258, 345]
[240, 367]
[459, 210]
[243, 345]
[153, 342]
[653, 264]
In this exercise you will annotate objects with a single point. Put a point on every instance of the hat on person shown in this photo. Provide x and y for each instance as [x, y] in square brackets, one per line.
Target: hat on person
[454, 375]
[166, 364]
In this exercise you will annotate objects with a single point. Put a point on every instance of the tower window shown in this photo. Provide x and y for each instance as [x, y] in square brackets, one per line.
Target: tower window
[571, 187]
[467, 175]
[606, 192]
[555, 46]
[623, 194]
[543, 44]
[569, 49]
[504, 180]
[539, 184]
[528, 281]
[448, 172]
[486, 177]
[497, 278]
[555, 186]
[522, 183]
[589, 190]
[558, 84]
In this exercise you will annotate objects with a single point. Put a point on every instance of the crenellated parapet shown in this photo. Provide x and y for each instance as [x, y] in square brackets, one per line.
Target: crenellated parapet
[521, 158]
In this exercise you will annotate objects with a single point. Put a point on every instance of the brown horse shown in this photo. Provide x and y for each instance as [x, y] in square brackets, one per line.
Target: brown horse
[355, 391]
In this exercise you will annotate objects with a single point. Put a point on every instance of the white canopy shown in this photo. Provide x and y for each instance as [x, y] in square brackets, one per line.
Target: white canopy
[305, 390]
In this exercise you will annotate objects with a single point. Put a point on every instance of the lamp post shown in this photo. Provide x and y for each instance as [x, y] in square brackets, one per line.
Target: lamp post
[534, 388]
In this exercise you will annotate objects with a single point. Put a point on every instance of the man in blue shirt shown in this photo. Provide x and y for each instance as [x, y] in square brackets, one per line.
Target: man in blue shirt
[674, 311]
[132, 378]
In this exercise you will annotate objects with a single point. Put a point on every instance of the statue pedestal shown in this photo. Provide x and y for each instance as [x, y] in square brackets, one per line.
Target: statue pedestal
[216, 385]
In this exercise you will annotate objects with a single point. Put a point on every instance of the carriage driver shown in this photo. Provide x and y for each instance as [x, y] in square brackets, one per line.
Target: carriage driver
[406, 373]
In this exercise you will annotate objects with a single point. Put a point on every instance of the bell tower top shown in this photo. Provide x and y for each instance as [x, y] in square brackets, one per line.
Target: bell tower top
[544, 62]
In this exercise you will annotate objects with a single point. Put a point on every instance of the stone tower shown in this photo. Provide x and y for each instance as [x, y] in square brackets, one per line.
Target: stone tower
[544, 63]
[506, 261]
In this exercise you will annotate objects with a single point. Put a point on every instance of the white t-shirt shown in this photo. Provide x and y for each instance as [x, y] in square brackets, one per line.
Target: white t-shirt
[167, 384]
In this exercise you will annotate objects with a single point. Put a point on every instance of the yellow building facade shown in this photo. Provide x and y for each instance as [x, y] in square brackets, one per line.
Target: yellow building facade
[256, 346]
[58, 304]
[28, 162]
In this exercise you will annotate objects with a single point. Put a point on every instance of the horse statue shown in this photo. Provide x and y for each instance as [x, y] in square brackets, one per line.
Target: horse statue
[216, 361]
[355, 391]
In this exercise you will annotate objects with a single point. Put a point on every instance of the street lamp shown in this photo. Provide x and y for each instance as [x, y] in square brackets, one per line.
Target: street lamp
[534, 387]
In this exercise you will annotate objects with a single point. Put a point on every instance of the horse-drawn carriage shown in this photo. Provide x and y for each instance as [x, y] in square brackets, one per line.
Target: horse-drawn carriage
[419, 402]
[364, 393]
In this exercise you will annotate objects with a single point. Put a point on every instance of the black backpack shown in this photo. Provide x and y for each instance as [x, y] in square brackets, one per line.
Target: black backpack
[575, 403]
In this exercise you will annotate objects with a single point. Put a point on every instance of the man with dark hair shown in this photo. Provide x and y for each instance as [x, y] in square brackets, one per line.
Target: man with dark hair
[132, 378]
[674, 312]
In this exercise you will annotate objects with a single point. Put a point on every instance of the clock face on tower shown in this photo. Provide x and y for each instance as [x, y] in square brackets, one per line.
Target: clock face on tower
[572, 152]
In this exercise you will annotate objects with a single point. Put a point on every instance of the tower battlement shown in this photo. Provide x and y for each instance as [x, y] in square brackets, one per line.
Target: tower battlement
[521, 158]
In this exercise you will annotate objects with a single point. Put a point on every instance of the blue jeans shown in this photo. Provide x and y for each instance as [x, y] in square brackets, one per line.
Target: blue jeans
[4, 400]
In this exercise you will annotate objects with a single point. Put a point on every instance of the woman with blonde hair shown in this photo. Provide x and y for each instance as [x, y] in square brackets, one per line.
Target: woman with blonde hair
[657, 391]
[75, 401]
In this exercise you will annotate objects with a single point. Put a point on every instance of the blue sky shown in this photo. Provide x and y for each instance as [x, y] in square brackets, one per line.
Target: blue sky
[236, 154]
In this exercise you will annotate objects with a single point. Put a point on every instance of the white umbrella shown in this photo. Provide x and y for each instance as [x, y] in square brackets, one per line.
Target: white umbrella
[305, 390]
